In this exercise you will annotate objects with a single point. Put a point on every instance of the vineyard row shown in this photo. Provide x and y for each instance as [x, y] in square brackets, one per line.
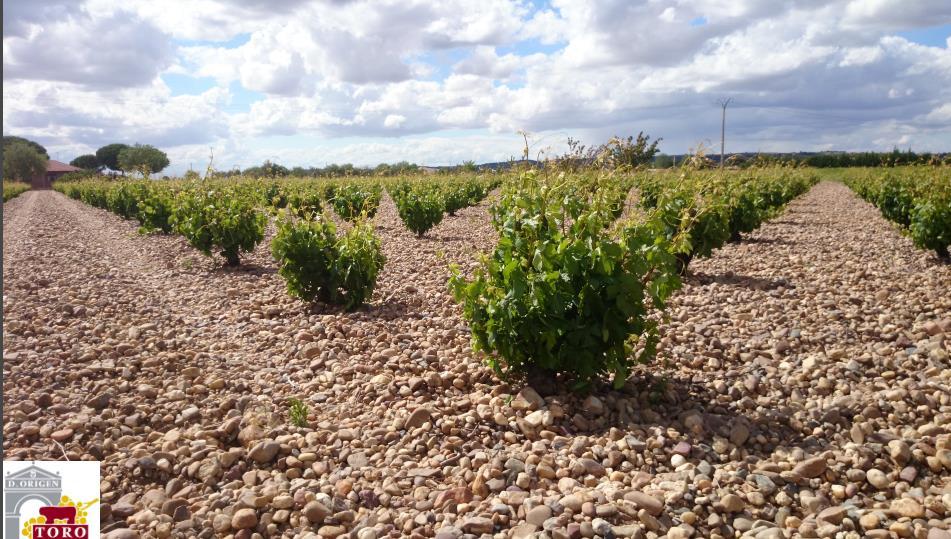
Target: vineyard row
[571, 288]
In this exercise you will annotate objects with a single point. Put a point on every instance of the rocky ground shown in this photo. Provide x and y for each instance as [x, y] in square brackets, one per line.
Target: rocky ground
[802, 390]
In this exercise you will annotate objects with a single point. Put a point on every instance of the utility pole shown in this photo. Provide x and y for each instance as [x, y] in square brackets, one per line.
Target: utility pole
[723, 103]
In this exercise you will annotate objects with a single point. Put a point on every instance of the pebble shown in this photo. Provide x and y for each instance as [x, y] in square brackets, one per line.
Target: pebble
[877, 479]
[731, 503]
[810, 468]
[264, 451]
[645, 501]
[244, 518]
[316, 512]
[907, 507]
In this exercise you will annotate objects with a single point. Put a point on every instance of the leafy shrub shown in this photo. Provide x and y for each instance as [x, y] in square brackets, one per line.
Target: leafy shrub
[562, 292]
[420, 206]
[896, 200]
[700, 217]
[155, 210]
[711, 208]
[353, 201]
[123, 198]
[930, 226]
[455, 198]
[304, 202]
[316, 263]
[78, 175]
[918, 198]
[359, 262]
[218, 218]
[274, 194]
[746, 212]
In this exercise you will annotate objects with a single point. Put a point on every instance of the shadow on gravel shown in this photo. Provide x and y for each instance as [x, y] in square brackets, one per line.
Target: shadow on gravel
[732, 279]
[767, 241]
[246, 268]
[393, 308]
[707, 420]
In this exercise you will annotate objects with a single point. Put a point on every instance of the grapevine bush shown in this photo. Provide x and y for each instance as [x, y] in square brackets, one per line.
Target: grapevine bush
[317, 264]
[353, 201]
[155, 209]
[710, 208]
[456, 197]
[223, 218]
[918, 199]
[564, 291]
[420, 205]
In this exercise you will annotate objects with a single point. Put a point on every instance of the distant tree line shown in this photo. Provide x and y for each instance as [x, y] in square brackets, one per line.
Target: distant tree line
[893, 158]
[273, 170]
[815, 159]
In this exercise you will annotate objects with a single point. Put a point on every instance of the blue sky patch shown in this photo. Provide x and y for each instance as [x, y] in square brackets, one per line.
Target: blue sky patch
[232, 43]
[187, 85]
[528, 47]
[936, 36]
[699, 21]
[242, 98]
[442, 60]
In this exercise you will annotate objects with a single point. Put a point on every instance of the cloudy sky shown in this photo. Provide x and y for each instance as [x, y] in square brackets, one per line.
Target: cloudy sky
[316, 82]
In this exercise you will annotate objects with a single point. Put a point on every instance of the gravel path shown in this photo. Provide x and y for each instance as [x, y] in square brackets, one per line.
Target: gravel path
[801, 390]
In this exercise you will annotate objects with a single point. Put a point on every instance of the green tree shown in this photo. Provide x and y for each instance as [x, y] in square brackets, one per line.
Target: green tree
[268, 170]
[142, 158]
[36, 146]
[633, 152]
[88, 162]
[23, 162]
[108, 155]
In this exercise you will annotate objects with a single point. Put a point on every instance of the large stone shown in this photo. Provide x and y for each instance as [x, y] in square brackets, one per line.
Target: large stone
[593, 405]
[209, 469]
[907, 507]
[899, 451]
[121, 533]
[244, 518]
[645, 501]
[528, 399]
[877, 479]
[316, 512]
[739, 433]
[731, 503]
[264, 451]
[523, 531]
[478, 525]
[357, 460]
[62, 435]
[418, 417]
[832, 515]
[221, 523]
[455, 495]
[538, 515]
[810, 468]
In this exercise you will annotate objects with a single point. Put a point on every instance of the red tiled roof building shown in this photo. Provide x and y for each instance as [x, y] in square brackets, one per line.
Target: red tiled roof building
[54, 169]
